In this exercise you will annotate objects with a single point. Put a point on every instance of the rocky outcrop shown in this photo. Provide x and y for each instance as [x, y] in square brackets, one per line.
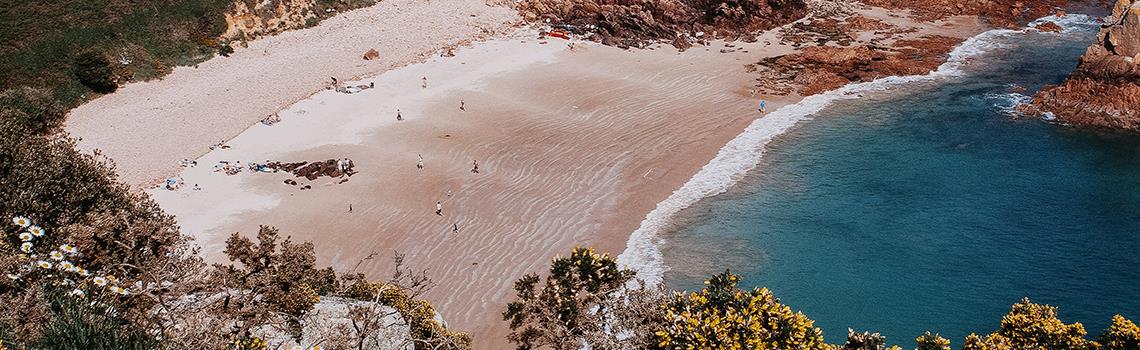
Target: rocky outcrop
[634, 23]
[1002, 13]
[821, 68]
[256, 18]
[1104, 89]
[314, 170]
[345, 323]
[246, 19]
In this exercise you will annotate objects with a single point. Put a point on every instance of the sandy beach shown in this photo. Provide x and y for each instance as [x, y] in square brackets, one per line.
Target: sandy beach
[195, 107]
[575, 144]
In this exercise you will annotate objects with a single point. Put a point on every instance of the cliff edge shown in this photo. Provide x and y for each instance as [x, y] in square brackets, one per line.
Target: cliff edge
[1104, 90]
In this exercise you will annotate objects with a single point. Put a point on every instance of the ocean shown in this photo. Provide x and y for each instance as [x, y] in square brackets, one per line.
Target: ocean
[918, 203]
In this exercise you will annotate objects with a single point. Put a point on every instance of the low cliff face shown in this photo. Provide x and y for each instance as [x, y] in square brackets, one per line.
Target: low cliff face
[1104, 90]
[252, 18]
[630, 23]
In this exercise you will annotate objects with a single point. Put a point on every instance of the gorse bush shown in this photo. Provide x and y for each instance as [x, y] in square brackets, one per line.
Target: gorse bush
[723, 316]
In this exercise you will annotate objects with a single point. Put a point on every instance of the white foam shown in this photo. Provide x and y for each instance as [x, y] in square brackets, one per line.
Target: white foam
[743, 153]
[1007, 103]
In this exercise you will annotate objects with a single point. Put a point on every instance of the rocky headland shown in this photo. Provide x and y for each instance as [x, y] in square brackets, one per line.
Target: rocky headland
[1104, 90]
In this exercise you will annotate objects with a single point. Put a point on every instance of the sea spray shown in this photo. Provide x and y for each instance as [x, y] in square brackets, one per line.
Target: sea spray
[743, 153]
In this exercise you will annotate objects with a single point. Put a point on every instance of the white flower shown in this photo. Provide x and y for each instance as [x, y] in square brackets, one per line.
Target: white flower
[56, 255]
[76, 293]
[26, 247]
[21, 221]
[25, 236]
[83, 272]
[66, 266]
[43, 264]
[99, 281]
[13, 277]
[67, 248]
[36, 230]
[119, 290]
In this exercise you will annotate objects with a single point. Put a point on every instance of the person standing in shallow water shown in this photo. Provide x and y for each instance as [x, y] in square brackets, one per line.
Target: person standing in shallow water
[420, 163]
[455, 228]
[475, 166]
[399, 117]
[439, 208]
[424, 82]
[462, 106]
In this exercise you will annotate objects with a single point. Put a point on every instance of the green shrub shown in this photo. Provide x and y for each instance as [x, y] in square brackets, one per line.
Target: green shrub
[80, 324]
[93, 70]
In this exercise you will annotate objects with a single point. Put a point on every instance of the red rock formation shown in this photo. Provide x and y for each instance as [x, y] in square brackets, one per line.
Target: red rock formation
[1049, 27]
[1002, 13]
[1104, 90]
[626, 23]
[822, 68]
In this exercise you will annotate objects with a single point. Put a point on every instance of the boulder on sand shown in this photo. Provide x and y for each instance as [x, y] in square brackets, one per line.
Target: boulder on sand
[371, 55]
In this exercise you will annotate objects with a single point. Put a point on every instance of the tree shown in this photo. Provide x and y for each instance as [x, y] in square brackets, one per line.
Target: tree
[272, 279]
[570, 304]
[93, 70]
[720, 316]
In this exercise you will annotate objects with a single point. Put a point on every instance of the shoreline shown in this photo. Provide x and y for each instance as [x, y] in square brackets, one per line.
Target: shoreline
[745, 152]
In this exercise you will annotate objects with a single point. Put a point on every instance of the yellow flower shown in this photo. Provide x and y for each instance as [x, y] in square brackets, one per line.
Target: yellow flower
[25, 236]
[43, 264]
[36, 230]
[99, 281]
[21, 221]
[112, 279]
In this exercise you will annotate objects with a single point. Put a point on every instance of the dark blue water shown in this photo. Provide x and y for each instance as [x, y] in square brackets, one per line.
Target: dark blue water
[929, 208]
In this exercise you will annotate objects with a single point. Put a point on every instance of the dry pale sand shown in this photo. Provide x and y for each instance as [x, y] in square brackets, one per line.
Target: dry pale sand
[193, 108]
[575, 146]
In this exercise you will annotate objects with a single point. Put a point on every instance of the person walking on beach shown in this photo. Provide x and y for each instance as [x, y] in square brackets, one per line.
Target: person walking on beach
[423, 82]
[398, 116]
[455, 227]
[420, 163]
[439, 208]
[763, 106]
[475, 166]
[462, 107]
[349, 207]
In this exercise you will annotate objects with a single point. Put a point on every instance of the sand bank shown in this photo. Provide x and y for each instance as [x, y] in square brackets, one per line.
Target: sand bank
[147, 127]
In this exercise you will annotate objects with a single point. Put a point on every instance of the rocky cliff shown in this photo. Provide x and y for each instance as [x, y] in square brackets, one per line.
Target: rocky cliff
[627, 23]
[247, 19]
[1104, 90]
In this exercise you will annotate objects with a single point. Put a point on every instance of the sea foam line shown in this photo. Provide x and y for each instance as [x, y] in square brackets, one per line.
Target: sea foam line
[743, 153]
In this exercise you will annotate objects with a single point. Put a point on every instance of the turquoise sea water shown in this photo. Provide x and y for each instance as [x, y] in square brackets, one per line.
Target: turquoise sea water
[927, 207]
